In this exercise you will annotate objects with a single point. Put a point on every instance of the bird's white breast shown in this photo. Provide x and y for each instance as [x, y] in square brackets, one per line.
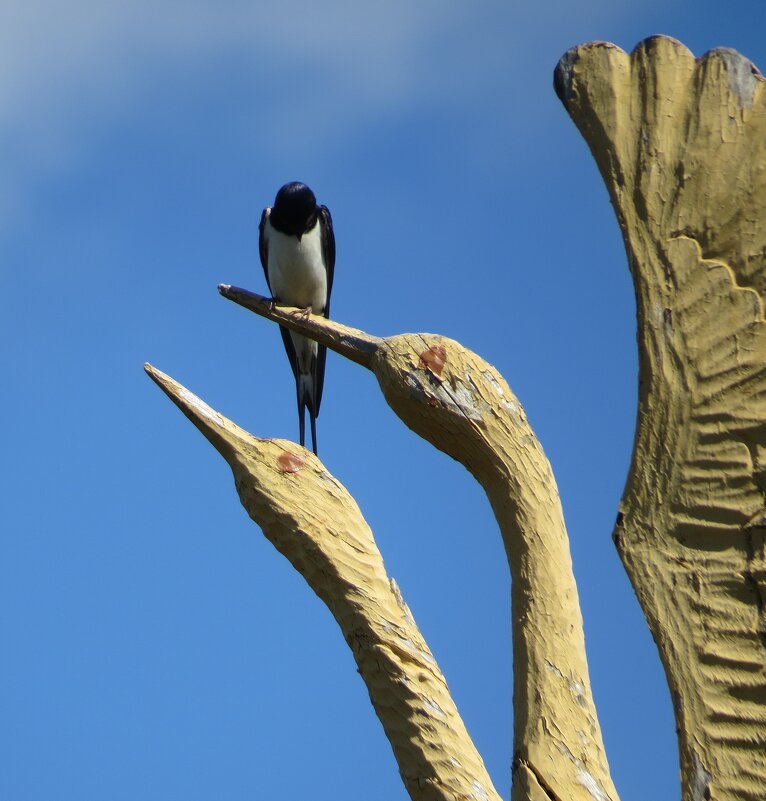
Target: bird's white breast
[297, 272]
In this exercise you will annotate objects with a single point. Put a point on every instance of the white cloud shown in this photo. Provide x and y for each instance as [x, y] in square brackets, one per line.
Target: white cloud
[67, 70]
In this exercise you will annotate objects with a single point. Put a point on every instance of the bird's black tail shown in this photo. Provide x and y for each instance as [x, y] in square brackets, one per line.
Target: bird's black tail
[306, 402]
[309, 380]
[305, 386]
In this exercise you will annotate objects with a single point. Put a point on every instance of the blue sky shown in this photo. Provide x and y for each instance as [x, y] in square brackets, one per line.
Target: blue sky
[154, 646]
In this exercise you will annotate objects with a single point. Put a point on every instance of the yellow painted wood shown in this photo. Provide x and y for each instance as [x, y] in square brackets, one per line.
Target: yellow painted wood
[681, 145]
[462, 405]
[311, 519]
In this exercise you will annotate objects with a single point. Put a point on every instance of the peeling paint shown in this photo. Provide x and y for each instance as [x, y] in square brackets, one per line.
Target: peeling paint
[434, 707]
[400, 601]
[317, 525]
[590, 783]
[562, 76]
[494, 382]
[510, 404]
[467, 401]
[201, 407]
[578, 691]
[688, 209]
[549, 666]
[457, 397]
[406, 647]
[741, 75]
[700, 780]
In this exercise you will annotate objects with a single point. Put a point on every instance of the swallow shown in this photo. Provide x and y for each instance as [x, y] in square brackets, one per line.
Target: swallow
[297, 248]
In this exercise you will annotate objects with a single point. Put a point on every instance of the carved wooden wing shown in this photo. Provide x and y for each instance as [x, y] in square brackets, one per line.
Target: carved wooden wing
[681, 145]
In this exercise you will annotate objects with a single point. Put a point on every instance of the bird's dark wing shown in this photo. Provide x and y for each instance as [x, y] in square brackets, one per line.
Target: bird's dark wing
[328, 250]
[263, 245]
[290, 348]
[327, 237]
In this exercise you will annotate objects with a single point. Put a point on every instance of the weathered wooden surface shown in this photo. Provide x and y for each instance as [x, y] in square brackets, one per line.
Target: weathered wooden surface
[311, 519]
[463, 406]
[681, 145]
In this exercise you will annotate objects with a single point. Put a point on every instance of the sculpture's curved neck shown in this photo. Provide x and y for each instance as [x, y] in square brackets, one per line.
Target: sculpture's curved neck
[555, 721]
[463, 406]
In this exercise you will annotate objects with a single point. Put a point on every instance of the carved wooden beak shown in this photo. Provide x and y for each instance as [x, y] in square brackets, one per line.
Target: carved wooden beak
[349, 342]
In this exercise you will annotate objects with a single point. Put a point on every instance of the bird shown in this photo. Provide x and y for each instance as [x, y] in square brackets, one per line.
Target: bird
[297, 249]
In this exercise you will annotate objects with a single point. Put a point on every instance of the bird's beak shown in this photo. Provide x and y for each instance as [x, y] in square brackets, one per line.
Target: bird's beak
[352, 343]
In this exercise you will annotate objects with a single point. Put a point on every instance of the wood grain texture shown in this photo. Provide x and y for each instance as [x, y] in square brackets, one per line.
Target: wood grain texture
[463, 406]
[466, 409]
[681, 145]
[311, 519]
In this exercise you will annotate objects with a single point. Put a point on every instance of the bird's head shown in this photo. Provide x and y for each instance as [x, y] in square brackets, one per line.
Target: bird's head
[295, 209]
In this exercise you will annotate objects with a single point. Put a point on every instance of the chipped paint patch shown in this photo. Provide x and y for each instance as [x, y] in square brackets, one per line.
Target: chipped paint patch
[397, 593]
[457, 397]
[741, 75]
[510, 405]
[563, 75]
[578, 691]
[494, 382]
[200, 406]
[406, 647]
[466, 401]
[584, 739]
[699, 783]
[435, 708]
[551, 668]
[577, 688]
[590, 783]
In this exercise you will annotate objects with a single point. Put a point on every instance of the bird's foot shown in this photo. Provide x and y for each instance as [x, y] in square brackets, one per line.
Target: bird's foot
[304, 314]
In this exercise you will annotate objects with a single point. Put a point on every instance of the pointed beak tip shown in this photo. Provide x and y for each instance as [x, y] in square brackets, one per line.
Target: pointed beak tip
[156, 375]
[152, 372]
